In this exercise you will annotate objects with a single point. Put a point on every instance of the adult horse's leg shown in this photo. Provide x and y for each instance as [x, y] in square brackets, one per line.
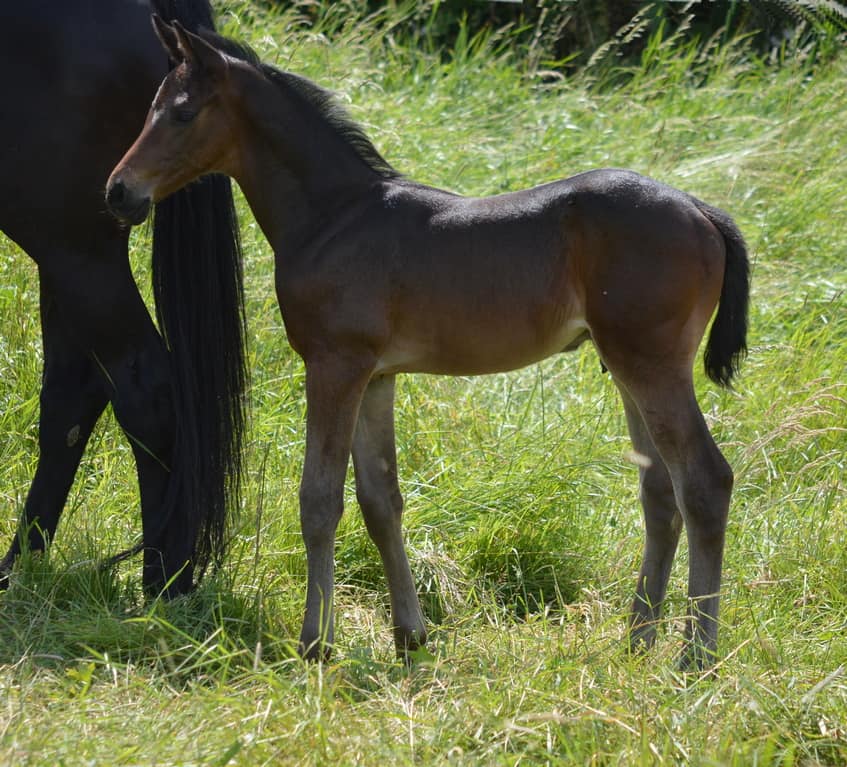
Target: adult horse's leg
[98, 303]
[702, 483]
[334, 391]
[662, 525]
[73, 396]
[375, 464]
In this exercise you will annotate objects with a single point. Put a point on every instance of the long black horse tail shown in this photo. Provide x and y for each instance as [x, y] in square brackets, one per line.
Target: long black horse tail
[198, 290]
[727, 344]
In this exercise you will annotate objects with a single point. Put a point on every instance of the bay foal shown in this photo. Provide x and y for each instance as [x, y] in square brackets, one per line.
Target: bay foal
[376, 275]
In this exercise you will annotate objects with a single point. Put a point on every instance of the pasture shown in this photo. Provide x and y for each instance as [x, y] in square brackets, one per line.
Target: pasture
[522, 516]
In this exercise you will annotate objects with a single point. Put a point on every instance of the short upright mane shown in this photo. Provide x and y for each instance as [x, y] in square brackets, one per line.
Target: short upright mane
[321, 100]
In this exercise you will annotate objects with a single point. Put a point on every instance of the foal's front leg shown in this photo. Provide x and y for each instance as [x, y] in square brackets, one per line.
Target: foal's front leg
[375, 464]
[334, 390]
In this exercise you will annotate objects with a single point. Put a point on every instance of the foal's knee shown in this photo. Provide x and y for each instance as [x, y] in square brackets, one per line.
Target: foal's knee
[320, 513]
[656, 490]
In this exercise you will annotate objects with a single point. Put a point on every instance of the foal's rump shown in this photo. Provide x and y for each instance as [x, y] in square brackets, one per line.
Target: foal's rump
[651, 264]
[659, 263]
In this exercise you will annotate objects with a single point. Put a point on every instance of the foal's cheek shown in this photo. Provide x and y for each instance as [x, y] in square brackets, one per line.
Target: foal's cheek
[195, 153]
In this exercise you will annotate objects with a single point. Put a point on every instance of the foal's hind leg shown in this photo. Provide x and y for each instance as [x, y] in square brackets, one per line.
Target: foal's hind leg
[702, 483]
[662, 523]
[72, 399]
[375, 464]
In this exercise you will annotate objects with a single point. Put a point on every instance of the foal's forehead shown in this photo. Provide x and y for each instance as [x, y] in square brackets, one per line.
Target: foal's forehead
[175, 89]
[177, 81]
[165, 87]
[171, 92]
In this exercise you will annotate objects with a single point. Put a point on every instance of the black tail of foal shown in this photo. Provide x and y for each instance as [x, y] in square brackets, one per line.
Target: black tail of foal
[727, 344]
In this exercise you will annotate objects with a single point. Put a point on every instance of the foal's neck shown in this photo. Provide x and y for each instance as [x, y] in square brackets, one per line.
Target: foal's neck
[295, 167]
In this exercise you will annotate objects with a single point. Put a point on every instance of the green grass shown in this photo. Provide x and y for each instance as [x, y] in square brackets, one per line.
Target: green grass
[522, 515]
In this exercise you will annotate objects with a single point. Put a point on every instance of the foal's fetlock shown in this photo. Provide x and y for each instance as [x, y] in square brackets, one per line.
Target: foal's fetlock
[6, 565]
[314, 650]
[642, 626]
[641, 637]
[5, 576]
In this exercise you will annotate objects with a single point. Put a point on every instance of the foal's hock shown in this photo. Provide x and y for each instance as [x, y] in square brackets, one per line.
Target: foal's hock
[378, 275]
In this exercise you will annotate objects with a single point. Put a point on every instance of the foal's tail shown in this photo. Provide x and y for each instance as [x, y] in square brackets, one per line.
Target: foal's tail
[727, 344]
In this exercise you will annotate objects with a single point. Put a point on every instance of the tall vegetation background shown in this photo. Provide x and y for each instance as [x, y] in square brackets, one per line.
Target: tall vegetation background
[522, 511]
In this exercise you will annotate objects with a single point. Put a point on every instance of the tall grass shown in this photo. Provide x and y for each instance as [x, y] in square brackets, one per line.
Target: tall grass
[522, 514]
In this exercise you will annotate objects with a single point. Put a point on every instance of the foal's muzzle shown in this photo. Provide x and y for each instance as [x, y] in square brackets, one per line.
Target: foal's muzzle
[126, 204]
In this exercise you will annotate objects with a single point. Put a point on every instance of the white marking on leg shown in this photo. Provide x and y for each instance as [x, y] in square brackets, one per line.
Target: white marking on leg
[73, 436]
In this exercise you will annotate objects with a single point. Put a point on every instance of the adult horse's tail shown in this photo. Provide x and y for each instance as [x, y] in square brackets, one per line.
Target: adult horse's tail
[727, 344]
[197, 281]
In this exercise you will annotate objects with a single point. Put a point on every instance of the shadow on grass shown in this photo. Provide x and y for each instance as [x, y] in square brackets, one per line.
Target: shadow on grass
[55, 617]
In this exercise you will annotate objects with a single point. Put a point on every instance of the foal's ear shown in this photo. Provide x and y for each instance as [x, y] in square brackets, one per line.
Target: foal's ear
[168, 39]
[199, 53]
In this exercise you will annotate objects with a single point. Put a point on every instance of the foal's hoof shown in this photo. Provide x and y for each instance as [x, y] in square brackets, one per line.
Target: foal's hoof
[696, 659]
[411, 646]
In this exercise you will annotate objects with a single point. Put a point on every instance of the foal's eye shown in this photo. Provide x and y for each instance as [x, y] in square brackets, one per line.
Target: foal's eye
[183, 115]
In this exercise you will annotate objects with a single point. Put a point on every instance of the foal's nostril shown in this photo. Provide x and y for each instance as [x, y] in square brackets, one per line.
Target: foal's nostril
[116, 193]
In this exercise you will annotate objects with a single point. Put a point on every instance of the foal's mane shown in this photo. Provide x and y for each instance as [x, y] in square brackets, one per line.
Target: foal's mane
[324, 102]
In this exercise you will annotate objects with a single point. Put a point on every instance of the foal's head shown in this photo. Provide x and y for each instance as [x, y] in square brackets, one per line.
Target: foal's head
[189, 130]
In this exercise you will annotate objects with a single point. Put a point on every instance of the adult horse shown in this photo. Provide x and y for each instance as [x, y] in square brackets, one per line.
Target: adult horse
[377, 274]
[77, 77]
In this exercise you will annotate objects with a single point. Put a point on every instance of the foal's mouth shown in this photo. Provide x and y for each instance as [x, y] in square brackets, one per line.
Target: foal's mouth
[129, 213]
[138, 214]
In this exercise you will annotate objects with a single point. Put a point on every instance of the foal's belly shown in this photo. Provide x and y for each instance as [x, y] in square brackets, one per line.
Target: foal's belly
[479, 349]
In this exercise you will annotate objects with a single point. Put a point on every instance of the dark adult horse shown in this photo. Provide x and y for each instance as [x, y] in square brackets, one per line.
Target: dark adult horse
[377, 274]
[76, 79]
